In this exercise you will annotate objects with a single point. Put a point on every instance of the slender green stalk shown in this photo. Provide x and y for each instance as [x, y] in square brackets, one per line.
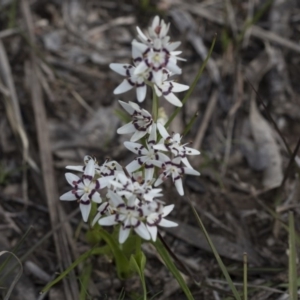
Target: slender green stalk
[217, 256]
[155, 104]
[80, 259]
[172, 268]
[245, 286]
[193, 85]
[14, 251]
[190, 124]
[292, 259]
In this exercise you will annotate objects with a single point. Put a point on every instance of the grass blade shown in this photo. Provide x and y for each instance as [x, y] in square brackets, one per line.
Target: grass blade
[217, 256]
[245, 285]
[172, 268]
[192, 87]
[292, 259]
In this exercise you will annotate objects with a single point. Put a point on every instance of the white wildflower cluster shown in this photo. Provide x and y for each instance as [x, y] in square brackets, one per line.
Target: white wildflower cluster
[154, 62]
[129, 197]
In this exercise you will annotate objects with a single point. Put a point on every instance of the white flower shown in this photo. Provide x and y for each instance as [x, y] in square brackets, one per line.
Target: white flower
[85, 189]
[86, 159]
[156, 57]
[155, 213]
[168, 88]
[141, 123]
[148, 156]
[173, 144]
[129, 217]
[174, 168]
[158, 29]
[135, 187]
[132, 80]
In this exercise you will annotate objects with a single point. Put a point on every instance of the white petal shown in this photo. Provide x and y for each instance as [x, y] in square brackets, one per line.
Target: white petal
[191, 151]
[160, 147]
[133, 166]
[191, 171]
[142, 231]
[173, 46]
[69, 196]
[85, 211]
[178, 87]
[96, 198]
[149, 172]
[157, 91]
[90, 169]
[97, 217]
[141, 68]
[141, 47]
[138, 135]
[179, 187]
[127, 128]
[158, 181]
[167, 223]
[127, 107]
[104, 181]
[108, 221]
[162, 130]
[153, 232]
[133, 147]
[173, 67]
[141, 34]
[75, 168]
[186, 162]
[167, 209]
[123, 87]
[173, 99]
[119, 68]
[71, 178]
[141, 93]
[123, 234]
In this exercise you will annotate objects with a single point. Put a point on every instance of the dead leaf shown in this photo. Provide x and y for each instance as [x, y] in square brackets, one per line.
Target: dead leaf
[269, 149]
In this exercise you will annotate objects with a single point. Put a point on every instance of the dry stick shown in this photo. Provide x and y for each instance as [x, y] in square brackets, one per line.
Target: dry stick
[14, 116]
[56, 214]
[206, 119]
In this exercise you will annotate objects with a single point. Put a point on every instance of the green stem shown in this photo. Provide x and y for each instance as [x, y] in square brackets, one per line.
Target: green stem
[154, 105]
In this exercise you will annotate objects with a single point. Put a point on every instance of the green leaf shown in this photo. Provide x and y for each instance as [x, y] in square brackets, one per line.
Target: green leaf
[85, 279]
[217, 256]
[137, 264]
[80, 259]
[172, 268]
[292, 259]
[122, 263]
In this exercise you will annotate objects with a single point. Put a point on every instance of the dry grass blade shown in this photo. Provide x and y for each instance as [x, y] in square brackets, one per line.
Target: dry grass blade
[7, 296]
[61, 238]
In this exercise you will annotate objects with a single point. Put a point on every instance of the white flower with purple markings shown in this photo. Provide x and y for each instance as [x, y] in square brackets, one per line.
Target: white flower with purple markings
[141, 123]
[132, 80]
[148, 156]
[173, 145]
[173, 168]
[130, 217]
[85, 189]
[136, 187]
[155, 213]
